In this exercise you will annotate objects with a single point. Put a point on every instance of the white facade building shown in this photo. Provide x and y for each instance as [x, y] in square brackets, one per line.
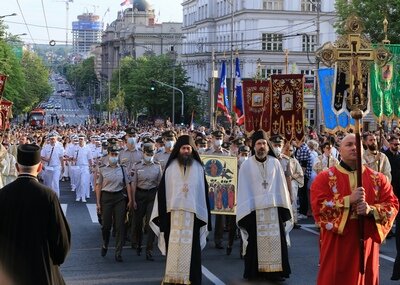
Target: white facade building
[263, 32]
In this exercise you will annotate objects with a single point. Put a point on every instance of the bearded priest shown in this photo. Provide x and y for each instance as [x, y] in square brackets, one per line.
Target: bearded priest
[181, 214]
[264, 214]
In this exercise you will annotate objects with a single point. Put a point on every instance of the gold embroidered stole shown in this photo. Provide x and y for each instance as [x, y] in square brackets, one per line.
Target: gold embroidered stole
[268, 240]
[179, 248]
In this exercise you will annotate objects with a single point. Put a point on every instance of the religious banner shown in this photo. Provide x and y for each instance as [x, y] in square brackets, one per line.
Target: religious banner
[385, 88]
[5, 113]
[221, 175]
[332, 121]
[3, 79]
[287, 117]
[257, 105]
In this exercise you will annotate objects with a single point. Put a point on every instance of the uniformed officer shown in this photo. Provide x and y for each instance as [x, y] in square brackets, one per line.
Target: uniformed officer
[84, 162]
[146, 176]
[227, 147]
[277, 142]
[216, 149]
[236, 144]
[201, 144]
[52, 155]
[71, 154]
[113, 198]
[169, 138]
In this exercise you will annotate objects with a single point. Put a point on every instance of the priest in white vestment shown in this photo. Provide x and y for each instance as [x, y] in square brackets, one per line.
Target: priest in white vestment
[181, 214]
[264, 214]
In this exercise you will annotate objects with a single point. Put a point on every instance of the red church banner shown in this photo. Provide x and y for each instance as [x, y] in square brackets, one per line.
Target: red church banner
[257, 105]
[287, 106]
[3, 79]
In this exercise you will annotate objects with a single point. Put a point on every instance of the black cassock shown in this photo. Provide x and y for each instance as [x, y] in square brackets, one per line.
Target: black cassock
[34, 233]
[251, 258]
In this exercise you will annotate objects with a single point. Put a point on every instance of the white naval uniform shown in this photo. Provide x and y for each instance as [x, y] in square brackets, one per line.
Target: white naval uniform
[52, 169]
[71, 152]
[83, 180]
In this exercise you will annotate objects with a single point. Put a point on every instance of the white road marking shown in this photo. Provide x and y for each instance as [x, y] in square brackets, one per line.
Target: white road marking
[93, 212]
[211, 276]
[64, 208]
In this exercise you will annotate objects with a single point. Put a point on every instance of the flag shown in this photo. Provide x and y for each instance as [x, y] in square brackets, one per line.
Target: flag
[333, 121]
[126, 2]
[222, 99]
[238, 108]
[192, 122]
[385, 89]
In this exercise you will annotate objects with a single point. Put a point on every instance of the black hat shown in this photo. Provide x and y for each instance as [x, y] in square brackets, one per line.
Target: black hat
[149, 148]
[244, 148]
[131, 131]
[112, 141]
[104, 143]
[28, 154]
[159, 140]
[226, 145]
[277, 139]
[147, 140]
[113, 148]
[169, 134]
[201, 141]
[258, 135]
[217, 134]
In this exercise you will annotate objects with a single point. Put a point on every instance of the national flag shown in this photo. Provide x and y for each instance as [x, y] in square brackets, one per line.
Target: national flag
[238, 108]
[222, 99]
[126, 2]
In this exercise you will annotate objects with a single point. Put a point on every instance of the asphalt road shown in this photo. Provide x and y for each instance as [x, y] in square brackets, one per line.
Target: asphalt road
[85, 266]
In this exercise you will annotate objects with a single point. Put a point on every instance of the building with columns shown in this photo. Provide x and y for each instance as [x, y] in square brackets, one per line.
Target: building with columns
[277, 36]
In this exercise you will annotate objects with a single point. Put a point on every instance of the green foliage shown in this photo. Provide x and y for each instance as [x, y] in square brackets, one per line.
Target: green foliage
[83, 77]
[373, 12]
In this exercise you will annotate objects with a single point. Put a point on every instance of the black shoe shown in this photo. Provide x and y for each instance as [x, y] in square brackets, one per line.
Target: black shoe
[395, 277]
[149, 256]
[219, 246]
[118, 258]
[228, 250]
[139, 251]
[103, 251]
[296, 226]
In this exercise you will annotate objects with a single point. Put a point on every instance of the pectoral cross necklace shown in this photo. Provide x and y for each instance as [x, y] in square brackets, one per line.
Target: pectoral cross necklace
[263, 172]
[184, 172]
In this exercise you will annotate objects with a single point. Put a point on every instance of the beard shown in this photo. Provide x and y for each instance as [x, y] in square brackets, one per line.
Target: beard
[373, 147]
[261, 153]
[185, 160]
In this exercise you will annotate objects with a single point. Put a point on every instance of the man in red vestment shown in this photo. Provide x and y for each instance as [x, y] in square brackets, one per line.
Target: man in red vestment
[336, 203]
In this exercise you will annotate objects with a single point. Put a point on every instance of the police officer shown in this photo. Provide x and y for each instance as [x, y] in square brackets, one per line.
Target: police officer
[114, 197]
[169, 138]
[201, 144]
[216, 149]
[146, 176]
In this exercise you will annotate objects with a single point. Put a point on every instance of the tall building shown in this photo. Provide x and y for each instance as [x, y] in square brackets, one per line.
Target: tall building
[86, 32]
[272, 36]
[136, 33]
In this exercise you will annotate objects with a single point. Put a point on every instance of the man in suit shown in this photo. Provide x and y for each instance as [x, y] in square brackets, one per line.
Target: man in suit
[34, 233]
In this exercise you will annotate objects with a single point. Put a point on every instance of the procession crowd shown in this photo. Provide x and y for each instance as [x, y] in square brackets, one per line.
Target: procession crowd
[149, 182]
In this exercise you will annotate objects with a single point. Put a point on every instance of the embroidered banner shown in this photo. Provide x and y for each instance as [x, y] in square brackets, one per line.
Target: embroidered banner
[287, 106]
[257, 105]
[3, 79]
[221, 175]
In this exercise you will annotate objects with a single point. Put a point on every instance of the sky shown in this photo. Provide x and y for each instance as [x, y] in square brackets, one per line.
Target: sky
[54, 13]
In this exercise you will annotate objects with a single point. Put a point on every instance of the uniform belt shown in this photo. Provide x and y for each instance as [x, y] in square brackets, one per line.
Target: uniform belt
[112, 192]
[145, 190]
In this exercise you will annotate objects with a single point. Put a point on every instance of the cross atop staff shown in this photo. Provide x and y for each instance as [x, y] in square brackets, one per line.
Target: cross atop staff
[353, 55]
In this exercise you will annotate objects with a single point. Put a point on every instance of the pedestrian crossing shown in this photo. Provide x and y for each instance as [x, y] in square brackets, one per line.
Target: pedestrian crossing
[91, 209]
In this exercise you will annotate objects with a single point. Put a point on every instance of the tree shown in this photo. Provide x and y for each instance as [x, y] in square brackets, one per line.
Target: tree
[83, 77]
[373, 12]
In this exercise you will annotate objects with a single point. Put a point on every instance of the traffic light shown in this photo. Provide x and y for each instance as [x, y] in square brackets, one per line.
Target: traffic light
[153, 85]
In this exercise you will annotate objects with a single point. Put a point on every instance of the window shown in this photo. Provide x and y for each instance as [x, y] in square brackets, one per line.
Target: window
[309, 5]
[307, 72]
[271, 42]
[310, 117]
[265, 73]
[309, 43]
[273, 5]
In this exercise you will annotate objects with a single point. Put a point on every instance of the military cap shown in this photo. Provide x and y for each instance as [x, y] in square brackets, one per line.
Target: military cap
[52, 135]
[131, 131]
[159, 140]
[113, 148]
[28, 154]
[169, 134]
[104, 143]
[277, 139]
[226, 145]
[244, 148]
[147, 140]
[112, 141]
[82, 136]
[121, 135]
[149, 148]
[217, 134]
[74, 138]
[199, 135]
[238, 141]
[201, 141]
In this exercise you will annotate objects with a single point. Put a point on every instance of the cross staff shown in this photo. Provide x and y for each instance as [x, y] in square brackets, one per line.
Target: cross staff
[355, 52]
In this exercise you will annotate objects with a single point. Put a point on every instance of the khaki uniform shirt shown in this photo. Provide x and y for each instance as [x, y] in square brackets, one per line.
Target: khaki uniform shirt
[162, 158]
[111, 178]
[146, 175]
[128, 158]
[220, 152]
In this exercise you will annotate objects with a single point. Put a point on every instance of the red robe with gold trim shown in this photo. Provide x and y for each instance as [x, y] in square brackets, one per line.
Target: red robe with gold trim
[339, 239]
